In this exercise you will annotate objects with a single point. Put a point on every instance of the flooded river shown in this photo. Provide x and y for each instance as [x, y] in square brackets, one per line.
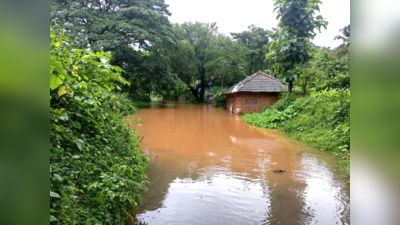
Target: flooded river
[208, 167]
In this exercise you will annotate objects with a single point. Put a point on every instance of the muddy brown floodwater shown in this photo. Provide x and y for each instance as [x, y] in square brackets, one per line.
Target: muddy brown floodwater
[207, 167]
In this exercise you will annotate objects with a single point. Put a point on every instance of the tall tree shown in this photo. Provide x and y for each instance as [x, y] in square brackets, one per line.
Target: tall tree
[199, 48]
[123, 27]
[255, 40]
[146, 71]
[344, 48]
[107, 24]
[227, 64]
[296, 27]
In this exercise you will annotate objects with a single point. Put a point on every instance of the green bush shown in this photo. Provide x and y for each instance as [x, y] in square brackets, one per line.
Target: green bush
[126, 105]
[285, 100]
[321, 120]
[142, 105]
[324, 122]
[96, 170]
[141, 101]
[219, 99]
[271, 118]
[339, 82]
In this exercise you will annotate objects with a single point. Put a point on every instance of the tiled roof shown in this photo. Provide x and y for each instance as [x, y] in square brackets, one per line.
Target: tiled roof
[258, 82]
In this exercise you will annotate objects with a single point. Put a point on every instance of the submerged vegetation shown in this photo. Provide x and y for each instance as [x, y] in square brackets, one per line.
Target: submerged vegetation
[96, 169]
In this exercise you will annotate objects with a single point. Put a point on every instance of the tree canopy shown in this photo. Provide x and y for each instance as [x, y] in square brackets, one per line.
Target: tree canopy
[204, 57]
[106, 24]
[344, 48]
[296, 27]
[255, 41]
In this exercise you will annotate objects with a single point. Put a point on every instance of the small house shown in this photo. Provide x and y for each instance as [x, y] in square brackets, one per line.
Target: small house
[253, 93]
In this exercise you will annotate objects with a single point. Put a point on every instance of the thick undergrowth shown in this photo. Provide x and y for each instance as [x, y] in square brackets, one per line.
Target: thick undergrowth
[96, 170]
[321, 119]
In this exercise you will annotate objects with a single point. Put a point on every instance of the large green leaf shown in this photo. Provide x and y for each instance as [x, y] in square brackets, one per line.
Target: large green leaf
[52, 218]
[54, 195]
[55, 81]
[80, 144]
[76, 124]
[58, 177]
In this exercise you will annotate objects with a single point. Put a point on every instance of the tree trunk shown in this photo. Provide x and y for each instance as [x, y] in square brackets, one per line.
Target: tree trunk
[194, 93]
[202, 92]
[290, 86]
[202, 85]
[251, 63]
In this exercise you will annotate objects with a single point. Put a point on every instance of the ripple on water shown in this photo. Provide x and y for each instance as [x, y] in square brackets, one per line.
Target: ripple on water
[211, 153]
[224, 200]
[225, 176]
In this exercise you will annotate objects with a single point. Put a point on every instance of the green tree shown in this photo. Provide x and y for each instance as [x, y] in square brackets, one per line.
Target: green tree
[344, 48]
[137, 32]
[147, 71]
[310, 77]
[322, 68]
[105, 25]
[193, 56]
[325, 62]
[255, 41]
[296, 27]
[227, 64]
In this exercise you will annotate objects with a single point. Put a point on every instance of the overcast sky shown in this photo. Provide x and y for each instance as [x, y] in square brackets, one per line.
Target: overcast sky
[237, 15]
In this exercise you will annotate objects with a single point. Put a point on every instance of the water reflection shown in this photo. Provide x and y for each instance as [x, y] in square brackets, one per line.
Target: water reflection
[206, 167]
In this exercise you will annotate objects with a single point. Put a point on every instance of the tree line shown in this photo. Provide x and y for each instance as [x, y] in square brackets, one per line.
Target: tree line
[177, 59]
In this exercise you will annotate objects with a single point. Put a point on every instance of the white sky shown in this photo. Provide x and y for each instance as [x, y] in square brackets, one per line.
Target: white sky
[237, 15]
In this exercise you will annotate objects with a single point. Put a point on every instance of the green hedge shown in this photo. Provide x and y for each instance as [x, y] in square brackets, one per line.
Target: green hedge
[96, 169]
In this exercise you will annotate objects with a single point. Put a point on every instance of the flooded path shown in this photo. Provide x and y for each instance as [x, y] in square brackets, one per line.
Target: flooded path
[207, 167]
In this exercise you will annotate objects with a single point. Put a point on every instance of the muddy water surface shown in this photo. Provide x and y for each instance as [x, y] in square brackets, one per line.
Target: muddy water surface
[207, 167]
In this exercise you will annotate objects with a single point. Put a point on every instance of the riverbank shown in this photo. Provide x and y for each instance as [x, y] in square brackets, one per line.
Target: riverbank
[321, 120]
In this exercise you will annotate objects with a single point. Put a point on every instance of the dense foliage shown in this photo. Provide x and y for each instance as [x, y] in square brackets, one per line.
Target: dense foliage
[293, 48]
[203, 56]
[321, 119]
[106, 25]
[255, 42]
[339, 82]
[148, 72]
[219, 98]
[136, 32]
[323, 69]
[96, 170]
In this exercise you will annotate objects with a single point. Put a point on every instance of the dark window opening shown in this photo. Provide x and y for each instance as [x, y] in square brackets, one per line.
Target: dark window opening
[251, 101]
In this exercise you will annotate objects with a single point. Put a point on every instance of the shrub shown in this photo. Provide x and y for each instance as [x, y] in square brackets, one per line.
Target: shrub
[324, 122]
[96, 170]
[321, 120]
[339, 82]
[126, 105]
[219, 99]
[141, 101]
[286, 100]
[142, 105]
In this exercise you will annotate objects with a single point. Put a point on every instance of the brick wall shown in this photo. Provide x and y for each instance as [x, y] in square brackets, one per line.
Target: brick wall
[231, 101]
[251, 102]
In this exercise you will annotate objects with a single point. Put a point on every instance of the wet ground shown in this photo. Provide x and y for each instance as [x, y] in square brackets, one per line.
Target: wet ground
[208, 167]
